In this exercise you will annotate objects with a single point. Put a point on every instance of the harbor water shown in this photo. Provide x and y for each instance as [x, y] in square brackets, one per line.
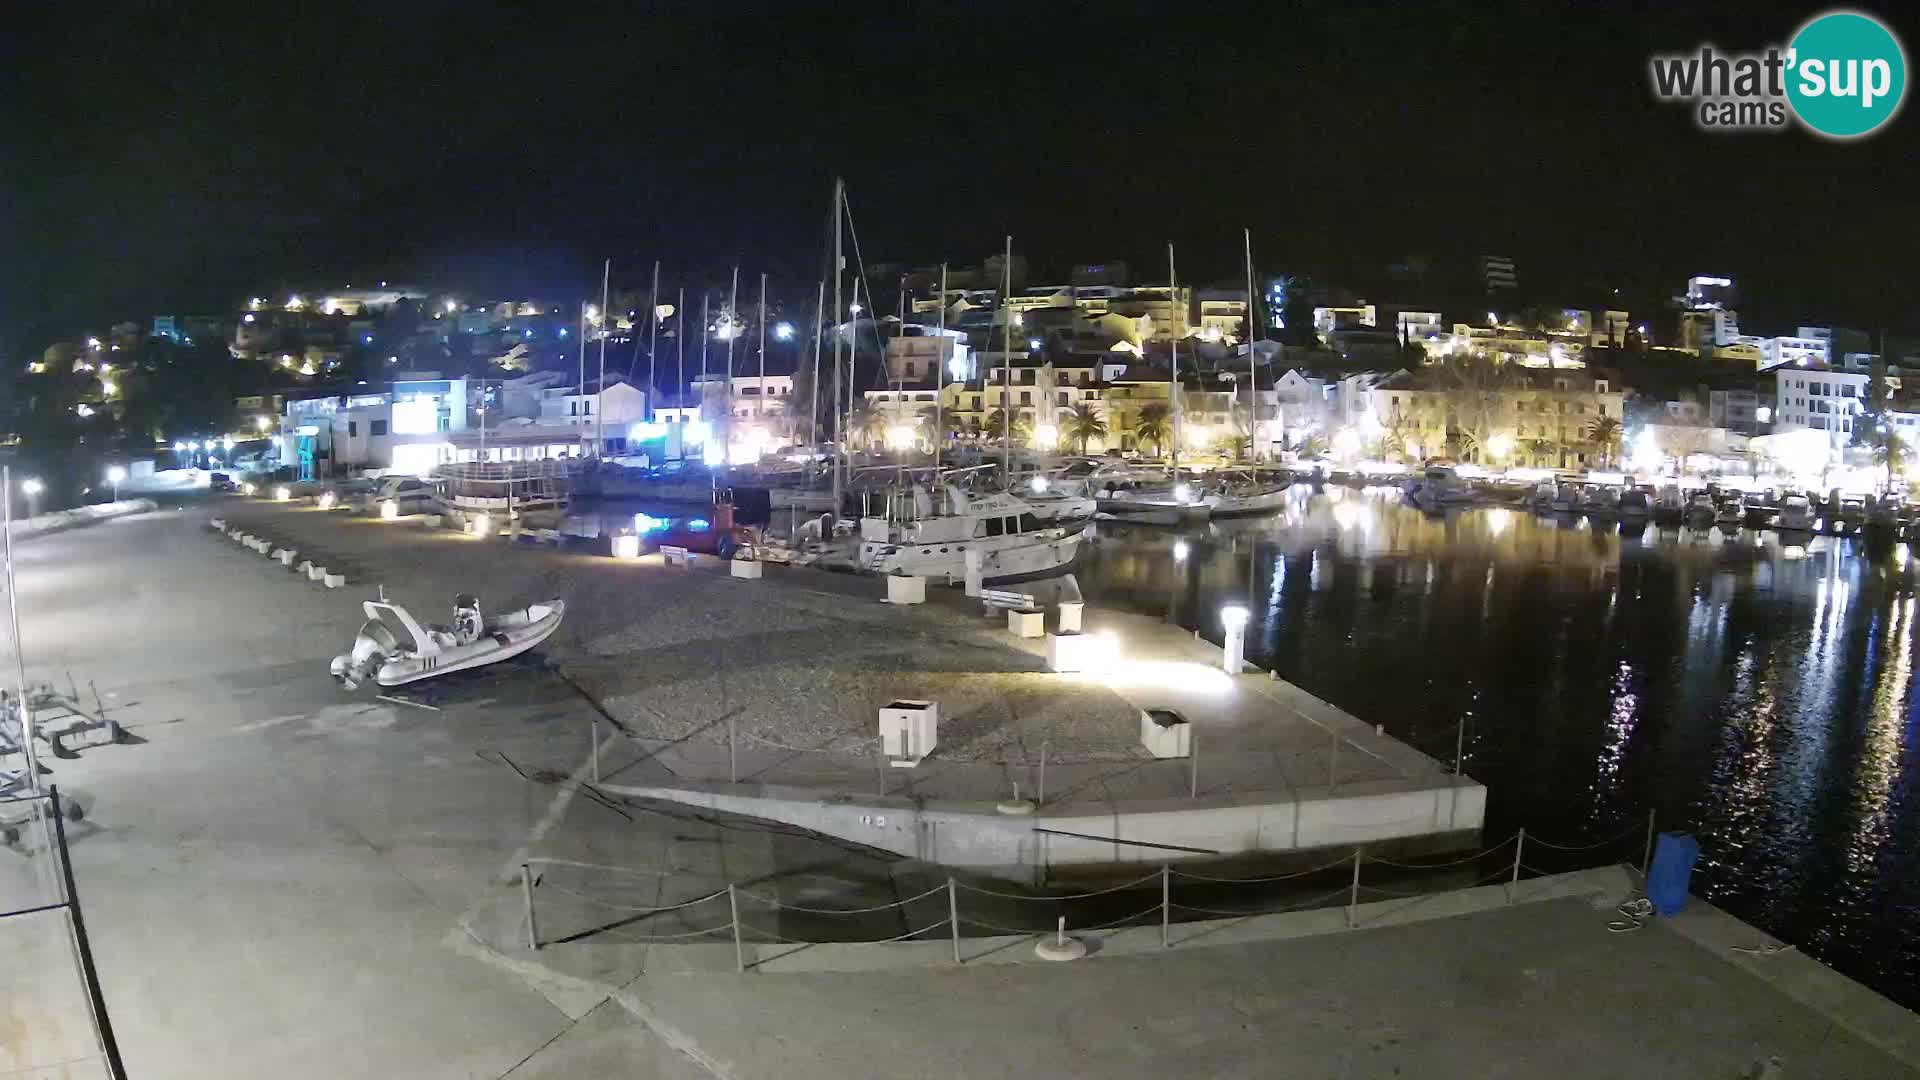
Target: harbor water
[1753, 688]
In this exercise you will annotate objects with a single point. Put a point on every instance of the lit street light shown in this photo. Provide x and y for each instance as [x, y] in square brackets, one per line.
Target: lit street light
[115, 475]
[33, 487]
[263, 423]
[783, 331]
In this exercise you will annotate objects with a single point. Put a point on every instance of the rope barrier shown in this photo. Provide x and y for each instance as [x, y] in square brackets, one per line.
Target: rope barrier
[970, 921]
[1305, 905]
[629, 907]
[541, 860]
[1116, 922]
[770, 902]
[1417, 901]
[1342, 861]
[1443, 865]
[1155, 876]
[1630, 831]
[655, 939]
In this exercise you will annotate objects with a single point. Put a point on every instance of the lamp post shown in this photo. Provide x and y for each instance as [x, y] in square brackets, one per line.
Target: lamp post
[32, 487]
[115, 475]
[1234, 653]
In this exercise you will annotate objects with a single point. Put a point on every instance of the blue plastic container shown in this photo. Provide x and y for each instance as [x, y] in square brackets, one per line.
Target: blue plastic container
[1674, 854]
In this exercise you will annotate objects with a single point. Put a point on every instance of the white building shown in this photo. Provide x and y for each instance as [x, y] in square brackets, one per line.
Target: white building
[1820, 399]
[1793, 350]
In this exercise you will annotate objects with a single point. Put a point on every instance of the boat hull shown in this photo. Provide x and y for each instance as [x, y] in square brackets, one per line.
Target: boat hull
[1033, 557]
[1263, 502]
[504, 641]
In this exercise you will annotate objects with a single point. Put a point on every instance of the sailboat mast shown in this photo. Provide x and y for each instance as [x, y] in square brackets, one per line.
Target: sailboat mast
[600, 391]
[760, 406]
[680, 352]
[840, 428]
[813, 414]
[582, 387]
[1006, 366]
[653, 337]
[940, 374]
[733, 331]
[1253, 380]
[1173, 381]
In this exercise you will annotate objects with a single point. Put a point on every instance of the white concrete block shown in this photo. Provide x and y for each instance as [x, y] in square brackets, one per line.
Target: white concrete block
[285, 555]
[1026, 624]
[431, 521]
[334, 581]
[671, 554]
[218, 524]
[315, 573]
[909, 731]
[1070, 616]
[304, 566]
[1166, 734]
[906, 589]
[748, 569]
[626, 547]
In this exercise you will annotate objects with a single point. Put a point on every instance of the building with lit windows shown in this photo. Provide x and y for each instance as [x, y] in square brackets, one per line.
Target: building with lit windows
[1819, 398]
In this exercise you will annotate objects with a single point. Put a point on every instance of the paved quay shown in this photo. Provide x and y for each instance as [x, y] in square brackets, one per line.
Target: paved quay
[767, 691]
[284, 880]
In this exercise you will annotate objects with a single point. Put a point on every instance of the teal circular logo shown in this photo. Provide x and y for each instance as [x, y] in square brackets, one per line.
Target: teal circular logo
[1847, 74]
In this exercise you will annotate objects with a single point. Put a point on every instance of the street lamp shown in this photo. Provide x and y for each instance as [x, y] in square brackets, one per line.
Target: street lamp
[262, 423]
[115, 475]
[32, 487]
[783, 331]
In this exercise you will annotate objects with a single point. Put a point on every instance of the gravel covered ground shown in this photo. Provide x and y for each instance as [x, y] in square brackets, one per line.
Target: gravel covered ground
[800, 660]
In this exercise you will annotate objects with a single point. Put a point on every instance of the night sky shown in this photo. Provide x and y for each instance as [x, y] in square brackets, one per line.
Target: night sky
[174, 157]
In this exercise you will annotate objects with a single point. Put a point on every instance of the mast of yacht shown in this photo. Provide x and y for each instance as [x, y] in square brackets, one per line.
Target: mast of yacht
[813, 413]
[760, 402]
[600, 391]
[1006, 366]
[840, 427]
[653, 337]
[940, 376]
[1253, 379]
[1173, 381]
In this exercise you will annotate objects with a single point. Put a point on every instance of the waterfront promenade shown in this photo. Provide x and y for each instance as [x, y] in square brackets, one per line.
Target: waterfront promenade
[283, 880]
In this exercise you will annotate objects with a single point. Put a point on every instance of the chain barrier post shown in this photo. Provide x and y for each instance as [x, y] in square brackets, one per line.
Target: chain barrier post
[733, 754]
[733, 907]
[1353, 893]
[1193, 764]
[1333, 762]
[1040, 797]
[953, 916]
[1519, 844]
[526, 891]
[1646, 858]
[596, 749]
[1166, 902]
[1459, 746]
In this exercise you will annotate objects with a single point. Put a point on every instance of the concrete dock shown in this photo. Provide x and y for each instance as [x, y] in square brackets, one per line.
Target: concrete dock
[282, 880]
[760, 697]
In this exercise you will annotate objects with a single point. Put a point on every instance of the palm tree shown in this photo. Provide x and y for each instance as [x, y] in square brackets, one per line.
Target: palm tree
[870, 424]
[1890, 451]
[1153, 426]
[998, 417]
[1604, 432]
[1085, 423]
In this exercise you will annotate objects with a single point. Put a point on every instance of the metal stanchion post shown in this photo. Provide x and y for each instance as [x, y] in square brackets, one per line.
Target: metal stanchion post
[1519, 843]
[1333, 763]
[733, 907]
[1166, 903]
[1193, 765]
[596, 749]
[953, 916]
[526, 891]
[733, 756]
[1646, 858]
[1040, 797]
[1459, 746]
[880, 768]
[1353, 893]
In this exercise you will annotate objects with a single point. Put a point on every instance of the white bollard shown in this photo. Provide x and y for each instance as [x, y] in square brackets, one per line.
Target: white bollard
[906, 589]
[1233, 659]
[1070, 616]
[315, 573]
[1026, 624]
[285, 555]
[334, 581]
[746, 568]
[976, 576]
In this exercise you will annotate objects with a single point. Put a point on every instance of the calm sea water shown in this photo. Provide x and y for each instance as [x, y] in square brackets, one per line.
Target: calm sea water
[1760, 694]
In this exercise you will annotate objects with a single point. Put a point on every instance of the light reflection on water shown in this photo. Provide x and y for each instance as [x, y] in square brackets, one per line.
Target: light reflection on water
[1758, 692]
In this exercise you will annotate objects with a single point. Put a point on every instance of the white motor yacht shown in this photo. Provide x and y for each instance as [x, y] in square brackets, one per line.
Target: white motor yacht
[1436, 487]
[1247, 495]
[912, 537]
[1149, 497]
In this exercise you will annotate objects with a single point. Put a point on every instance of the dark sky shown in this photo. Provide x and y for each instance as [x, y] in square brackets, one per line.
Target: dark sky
[172, 156]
